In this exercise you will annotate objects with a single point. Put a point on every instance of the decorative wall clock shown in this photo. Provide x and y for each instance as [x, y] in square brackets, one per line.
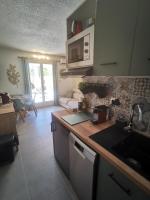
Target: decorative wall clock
[13, 75]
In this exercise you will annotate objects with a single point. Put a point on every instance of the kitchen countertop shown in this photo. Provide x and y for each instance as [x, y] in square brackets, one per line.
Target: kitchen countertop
[7, 108]
[85, 129]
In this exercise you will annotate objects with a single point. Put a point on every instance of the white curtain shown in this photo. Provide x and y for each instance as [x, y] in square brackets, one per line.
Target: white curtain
[26, 76]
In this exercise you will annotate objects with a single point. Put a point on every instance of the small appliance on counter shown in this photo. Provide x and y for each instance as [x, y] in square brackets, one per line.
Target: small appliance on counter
[100, 114]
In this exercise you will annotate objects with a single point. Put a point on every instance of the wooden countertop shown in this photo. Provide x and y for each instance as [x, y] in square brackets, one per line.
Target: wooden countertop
[86, 129]
[7, 108]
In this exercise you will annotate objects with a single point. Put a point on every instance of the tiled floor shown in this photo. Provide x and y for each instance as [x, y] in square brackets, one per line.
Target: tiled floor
[35, 174]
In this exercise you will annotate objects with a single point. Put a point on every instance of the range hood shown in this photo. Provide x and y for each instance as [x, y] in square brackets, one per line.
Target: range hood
[86, 71]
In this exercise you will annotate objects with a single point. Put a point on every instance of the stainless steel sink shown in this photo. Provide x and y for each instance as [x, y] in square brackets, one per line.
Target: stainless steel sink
[130, 147]
[110, 136]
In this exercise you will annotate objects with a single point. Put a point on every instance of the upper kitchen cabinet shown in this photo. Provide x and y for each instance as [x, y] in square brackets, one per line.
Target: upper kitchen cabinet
[114, 32]
[121, 36]
[141, 51]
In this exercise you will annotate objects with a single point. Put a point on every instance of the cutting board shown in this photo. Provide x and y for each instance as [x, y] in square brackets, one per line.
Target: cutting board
[77, 118]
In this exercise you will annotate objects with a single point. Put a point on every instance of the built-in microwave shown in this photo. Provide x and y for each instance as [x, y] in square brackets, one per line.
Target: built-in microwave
[80, 49]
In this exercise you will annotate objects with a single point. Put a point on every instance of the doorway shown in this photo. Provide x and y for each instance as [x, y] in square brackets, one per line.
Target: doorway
[42, 83]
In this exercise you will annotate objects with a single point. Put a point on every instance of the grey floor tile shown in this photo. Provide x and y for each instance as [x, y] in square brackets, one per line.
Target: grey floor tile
[60, 194]
[12, 183]
[35, 174]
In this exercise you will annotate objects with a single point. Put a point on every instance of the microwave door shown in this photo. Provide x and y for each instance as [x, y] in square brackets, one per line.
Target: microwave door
[76, 51]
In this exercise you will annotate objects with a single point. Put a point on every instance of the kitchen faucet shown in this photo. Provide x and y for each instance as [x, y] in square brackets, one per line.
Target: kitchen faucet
[140, 115]
[139, 111]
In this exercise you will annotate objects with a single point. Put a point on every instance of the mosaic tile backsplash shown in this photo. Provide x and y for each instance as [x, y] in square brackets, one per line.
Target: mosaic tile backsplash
[129, 90]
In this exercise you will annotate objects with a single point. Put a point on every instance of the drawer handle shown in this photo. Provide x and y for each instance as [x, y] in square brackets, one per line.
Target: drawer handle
[126, 190]
[109, 63]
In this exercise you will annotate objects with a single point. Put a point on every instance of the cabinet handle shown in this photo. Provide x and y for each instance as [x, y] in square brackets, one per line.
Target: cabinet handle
[148, 59]
[109, 63]
[126, 190]
[53, 127]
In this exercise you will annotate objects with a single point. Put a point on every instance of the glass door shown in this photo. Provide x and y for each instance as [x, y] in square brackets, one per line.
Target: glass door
[42, 86]
[48, 82]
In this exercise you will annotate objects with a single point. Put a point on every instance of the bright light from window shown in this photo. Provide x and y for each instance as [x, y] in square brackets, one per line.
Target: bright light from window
[40, 57]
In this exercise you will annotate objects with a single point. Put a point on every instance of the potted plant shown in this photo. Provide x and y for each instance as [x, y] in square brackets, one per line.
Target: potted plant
[101, 89]
[85, 87]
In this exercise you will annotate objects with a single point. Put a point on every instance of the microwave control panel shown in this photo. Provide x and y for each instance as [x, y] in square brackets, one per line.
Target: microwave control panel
[86, 47]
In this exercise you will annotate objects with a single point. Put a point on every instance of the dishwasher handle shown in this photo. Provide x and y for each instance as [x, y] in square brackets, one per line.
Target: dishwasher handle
[82, 149]
[79, 149]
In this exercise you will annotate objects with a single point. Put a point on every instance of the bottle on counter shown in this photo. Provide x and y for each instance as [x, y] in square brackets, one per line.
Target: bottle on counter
[95, 116]
[85, 105]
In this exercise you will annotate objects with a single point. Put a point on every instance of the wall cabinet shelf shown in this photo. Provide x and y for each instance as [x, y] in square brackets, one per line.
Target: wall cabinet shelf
[84, 12]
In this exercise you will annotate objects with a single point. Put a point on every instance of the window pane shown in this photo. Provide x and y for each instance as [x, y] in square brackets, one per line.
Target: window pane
[48, 82]
[35, 77]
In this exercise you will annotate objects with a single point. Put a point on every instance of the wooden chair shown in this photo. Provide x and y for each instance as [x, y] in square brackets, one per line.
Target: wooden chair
[30, 105]
[19, 108]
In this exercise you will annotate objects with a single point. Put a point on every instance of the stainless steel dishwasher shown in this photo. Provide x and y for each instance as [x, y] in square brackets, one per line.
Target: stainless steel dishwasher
[82, 164]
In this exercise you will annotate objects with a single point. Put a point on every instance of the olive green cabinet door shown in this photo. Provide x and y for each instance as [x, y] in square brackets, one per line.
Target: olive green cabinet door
[114, 33]
[113, 185]
[141, 52]
[61, 144]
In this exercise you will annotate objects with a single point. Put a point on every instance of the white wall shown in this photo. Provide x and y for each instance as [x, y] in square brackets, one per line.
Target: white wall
[66, 85]
[10, 56]
[7, 57]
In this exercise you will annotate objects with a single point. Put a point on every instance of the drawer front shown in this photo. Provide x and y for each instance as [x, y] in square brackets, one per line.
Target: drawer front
[112, 184]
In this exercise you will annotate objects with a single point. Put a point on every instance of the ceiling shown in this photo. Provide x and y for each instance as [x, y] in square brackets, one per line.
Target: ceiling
[35, 25]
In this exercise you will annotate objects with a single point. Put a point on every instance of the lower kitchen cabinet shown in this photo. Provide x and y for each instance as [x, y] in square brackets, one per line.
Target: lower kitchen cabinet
[91, 182]
[112, 184]
[61, 144]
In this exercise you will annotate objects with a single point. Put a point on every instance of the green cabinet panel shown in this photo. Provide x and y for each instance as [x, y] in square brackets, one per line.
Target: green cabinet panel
[112, 184]
[114, 33]
[61, 144]
[141, 52]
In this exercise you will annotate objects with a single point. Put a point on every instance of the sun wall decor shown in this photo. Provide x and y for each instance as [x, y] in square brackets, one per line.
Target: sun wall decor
[13, 75]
